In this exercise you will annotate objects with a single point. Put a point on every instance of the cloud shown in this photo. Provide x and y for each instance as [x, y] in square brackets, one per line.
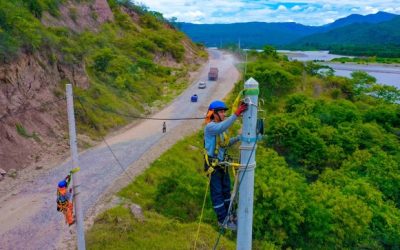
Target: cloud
[282, 8]
[295, 8]
[370, 9]
[327, 7]
[308, 12]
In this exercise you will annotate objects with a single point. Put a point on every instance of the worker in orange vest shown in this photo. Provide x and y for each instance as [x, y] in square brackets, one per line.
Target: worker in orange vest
[64, 202]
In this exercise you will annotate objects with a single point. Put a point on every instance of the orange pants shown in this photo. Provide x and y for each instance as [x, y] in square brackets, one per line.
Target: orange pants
[69, 213]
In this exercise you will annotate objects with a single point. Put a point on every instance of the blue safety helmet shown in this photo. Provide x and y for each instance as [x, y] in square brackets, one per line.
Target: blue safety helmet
[62, 184]
[217, 105]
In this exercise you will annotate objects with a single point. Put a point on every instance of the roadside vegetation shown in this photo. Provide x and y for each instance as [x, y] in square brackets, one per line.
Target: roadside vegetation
[327, 174]
[119, 59]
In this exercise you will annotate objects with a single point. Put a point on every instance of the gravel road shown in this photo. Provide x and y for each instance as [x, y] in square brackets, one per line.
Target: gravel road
[28, 216]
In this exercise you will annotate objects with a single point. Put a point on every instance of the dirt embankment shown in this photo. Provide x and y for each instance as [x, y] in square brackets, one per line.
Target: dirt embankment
[33, 127]
[33, 119]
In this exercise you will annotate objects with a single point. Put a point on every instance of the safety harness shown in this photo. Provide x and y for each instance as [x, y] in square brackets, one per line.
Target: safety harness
[64, 202]
[63, 197]
[212, 162]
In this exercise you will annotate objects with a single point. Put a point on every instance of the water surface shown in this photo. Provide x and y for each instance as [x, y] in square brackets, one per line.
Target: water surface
[388, 74]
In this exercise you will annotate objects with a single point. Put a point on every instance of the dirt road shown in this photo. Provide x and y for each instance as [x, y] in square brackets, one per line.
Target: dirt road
[28, 216]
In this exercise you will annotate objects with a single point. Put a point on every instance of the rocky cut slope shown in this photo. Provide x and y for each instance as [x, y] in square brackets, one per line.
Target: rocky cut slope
[107, 50]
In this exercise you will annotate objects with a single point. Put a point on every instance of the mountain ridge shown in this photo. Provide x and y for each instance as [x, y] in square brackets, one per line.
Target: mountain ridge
[358, 39]
[279, 34]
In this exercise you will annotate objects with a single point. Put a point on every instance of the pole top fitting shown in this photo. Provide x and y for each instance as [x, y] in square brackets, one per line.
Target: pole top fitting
[251, 83]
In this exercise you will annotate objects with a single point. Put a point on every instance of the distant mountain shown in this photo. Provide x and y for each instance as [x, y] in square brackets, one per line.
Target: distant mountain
[358, 34]
[356, 18]
[252, 34]
[258, 34]
[367, 39]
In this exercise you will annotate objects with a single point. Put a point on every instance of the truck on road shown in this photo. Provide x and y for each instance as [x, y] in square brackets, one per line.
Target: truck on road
[213, 74]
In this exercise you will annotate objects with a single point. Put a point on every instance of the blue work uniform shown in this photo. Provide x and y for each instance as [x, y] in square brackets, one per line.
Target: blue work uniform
[220, 184]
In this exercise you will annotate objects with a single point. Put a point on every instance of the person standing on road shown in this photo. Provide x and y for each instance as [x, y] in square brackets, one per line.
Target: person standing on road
[215, 143]
[164, 127]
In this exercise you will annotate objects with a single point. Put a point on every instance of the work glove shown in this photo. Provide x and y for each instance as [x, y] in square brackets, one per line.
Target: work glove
[242, 107]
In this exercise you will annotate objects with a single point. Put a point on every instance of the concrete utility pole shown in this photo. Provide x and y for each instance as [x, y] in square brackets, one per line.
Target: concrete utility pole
[247, 158]
[75, 177]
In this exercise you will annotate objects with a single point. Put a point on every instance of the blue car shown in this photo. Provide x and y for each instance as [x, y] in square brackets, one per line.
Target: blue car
[194, 98]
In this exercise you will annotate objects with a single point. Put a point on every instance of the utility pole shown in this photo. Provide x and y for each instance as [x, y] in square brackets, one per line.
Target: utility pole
[248, 164]
[75, 163]
[245, 64]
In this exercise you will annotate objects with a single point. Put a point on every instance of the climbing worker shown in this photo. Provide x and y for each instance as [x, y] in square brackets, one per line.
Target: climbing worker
[164, 127]
[64, 202]
[215, 143]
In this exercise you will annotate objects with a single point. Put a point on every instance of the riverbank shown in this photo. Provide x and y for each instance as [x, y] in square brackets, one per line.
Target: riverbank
[384, 74]
[387, 74]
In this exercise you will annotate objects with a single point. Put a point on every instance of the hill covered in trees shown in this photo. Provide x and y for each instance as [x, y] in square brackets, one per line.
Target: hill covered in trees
[379, 39]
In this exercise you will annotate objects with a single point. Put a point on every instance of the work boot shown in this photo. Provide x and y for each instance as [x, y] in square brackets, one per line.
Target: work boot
[230, 225]
[233, 218]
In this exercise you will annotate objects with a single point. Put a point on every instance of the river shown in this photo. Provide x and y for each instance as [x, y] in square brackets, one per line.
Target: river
[388, 74]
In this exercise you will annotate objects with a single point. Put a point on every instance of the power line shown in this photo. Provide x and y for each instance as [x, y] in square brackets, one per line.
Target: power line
[104, 140]
[32, 108]
[145, 117]
[162, 119]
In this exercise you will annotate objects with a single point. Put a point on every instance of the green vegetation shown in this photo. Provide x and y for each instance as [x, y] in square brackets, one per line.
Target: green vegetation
[327, 174]
[22, 132]
[337, 185]
[120, 59]
[367, 60]
[118, 229]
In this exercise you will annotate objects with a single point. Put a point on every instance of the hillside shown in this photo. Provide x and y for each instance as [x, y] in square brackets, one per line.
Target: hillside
[258, 34]
[382, 39]
[118, 56]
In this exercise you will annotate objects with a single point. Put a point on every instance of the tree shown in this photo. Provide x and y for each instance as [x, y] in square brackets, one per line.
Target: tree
[379, 168]
[362, 82]
[270, 51]
[387, 93]
[279, 200]
[334, 220]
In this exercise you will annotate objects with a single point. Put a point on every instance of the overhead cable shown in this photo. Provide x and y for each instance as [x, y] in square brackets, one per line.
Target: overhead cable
[146, 117]
[104, 140]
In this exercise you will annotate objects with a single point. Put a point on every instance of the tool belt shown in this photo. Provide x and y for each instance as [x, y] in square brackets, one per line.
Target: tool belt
[211, 164]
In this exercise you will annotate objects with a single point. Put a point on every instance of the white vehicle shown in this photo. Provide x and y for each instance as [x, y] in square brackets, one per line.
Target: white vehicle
[202, 85]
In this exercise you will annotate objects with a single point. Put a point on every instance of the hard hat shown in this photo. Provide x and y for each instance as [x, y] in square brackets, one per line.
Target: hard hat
[217, 105]
[62, 183]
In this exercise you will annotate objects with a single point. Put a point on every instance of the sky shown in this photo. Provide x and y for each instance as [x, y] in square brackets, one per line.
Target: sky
[305, 12]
